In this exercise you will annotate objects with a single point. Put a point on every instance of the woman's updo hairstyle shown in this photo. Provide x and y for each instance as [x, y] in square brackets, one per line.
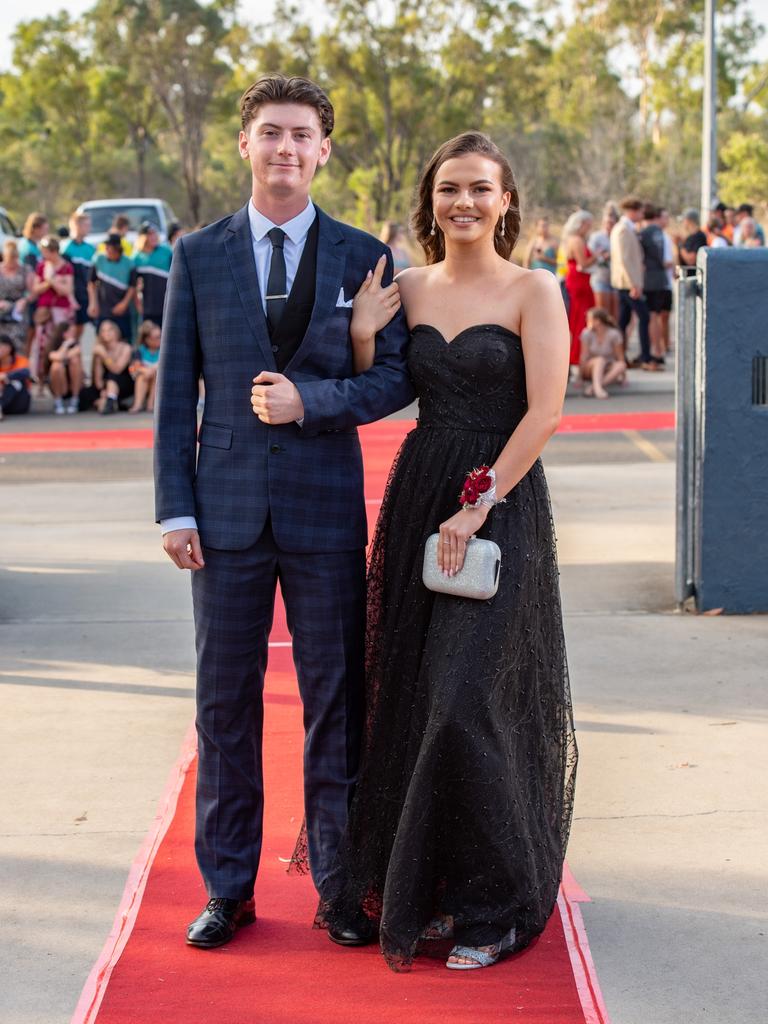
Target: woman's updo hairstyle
[421, 219]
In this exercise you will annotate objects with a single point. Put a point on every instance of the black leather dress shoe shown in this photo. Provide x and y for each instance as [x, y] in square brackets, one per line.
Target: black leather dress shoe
[359, 933]
[219, 921]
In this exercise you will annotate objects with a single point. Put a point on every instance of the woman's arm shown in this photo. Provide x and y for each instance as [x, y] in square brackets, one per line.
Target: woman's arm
[579, 253]
[63, 284]
[546, 346]
[372, 309]
[118, 362]
[39, 286]
[551, 260]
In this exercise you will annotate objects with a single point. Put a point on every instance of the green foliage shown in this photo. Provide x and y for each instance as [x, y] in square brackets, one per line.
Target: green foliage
[141, 97]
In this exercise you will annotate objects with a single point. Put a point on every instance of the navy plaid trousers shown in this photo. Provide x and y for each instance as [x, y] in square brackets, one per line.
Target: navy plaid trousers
[233, 597]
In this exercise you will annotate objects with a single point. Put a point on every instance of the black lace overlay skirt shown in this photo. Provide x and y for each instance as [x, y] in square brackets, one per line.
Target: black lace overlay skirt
[464, 799]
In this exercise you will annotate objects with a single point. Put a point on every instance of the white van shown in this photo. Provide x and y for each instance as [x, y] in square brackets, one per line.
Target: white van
[103, 211]
[7, 227]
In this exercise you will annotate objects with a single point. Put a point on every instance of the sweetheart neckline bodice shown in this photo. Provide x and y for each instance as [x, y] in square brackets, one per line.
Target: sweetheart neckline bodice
[465, 330]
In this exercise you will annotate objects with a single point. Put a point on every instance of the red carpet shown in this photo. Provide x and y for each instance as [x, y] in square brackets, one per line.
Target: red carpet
[92, 440]
[280, 970]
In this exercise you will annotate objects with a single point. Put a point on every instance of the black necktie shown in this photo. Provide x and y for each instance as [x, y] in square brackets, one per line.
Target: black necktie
[277, 291]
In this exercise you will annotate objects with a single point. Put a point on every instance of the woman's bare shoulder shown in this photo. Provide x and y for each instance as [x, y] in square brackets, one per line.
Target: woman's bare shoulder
[412, 277]
[534, 284]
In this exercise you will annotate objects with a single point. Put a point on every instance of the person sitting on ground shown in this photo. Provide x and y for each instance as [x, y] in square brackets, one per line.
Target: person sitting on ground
[54, 283]
[112, 286]
[14, 379]
[144, 367]
[112, 381]
[602, 355]
[65, 369]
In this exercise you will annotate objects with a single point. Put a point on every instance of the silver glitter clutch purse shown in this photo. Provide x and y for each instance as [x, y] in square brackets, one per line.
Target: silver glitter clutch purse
[479, 576]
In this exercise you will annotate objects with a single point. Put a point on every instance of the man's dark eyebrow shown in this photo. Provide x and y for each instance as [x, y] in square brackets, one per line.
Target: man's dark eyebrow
[298, 128]
[480, 181]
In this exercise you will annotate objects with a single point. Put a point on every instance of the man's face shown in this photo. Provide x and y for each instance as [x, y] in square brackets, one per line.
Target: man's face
[114, 252]
[284, 145]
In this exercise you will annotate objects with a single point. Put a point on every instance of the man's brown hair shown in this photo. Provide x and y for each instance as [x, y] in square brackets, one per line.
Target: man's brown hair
[276, 88]
[631, 203]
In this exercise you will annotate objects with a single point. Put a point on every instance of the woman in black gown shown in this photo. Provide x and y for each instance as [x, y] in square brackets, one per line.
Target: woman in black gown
[463, 805]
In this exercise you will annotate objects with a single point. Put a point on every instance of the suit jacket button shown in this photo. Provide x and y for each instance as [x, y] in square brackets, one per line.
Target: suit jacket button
[275, 448]
[275, 348]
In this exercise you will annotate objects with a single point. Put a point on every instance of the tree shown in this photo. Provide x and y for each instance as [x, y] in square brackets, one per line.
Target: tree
[179, 48]
[45, 118]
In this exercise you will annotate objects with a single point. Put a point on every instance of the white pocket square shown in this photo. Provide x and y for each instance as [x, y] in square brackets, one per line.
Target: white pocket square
[341, 303]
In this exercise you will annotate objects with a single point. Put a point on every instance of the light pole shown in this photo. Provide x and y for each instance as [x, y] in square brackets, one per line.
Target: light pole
[709, 127]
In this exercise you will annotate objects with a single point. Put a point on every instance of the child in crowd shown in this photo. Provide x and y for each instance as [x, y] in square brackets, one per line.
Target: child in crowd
[144, 367]
[602, 357]
[14, 379]
[112, 384]
[65, 369]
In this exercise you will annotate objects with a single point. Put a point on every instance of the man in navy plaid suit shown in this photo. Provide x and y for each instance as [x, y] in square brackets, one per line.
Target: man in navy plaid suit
[259, 304]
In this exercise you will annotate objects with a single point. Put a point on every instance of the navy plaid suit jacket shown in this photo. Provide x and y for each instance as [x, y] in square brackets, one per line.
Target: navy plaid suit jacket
[308, 479]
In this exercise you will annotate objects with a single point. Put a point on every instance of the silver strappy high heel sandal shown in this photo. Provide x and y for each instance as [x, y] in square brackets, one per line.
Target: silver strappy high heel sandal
[485, 957]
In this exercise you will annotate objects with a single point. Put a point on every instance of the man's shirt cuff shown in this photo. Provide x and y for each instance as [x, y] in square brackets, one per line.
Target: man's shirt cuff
[179, 523]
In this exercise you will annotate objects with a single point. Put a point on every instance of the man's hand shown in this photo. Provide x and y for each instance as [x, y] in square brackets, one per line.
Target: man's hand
[183, 548]
[275, 399]
[634, 293]
[93, 310]
[120, 308]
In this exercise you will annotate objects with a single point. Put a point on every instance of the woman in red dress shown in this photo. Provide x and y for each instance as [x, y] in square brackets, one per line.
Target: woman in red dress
[577, 280]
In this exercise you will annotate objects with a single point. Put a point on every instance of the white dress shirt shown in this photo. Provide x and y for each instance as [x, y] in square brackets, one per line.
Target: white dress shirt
[296, 231]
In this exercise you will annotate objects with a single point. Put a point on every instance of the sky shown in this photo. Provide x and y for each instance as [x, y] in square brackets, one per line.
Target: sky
[251, 10]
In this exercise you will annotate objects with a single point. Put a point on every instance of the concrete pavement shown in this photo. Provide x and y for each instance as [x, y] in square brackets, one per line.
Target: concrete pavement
[96, 696]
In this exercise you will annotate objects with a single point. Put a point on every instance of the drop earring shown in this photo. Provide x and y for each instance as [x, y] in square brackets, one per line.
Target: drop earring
[503, 226]
[433, 225]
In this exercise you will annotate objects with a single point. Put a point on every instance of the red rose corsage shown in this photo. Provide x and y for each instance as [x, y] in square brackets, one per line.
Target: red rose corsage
[479, 481]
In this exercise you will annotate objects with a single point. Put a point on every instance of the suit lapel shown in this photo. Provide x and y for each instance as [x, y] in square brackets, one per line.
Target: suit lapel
[329, 279]
[239, 246]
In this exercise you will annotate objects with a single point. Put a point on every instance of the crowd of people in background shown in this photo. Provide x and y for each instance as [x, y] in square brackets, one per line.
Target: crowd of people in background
[616, 274]
[620, 272]
[52, 284]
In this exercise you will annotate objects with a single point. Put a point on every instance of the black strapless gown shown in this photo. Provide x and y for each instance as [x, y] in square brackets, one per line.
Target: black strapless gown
[464, 799]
